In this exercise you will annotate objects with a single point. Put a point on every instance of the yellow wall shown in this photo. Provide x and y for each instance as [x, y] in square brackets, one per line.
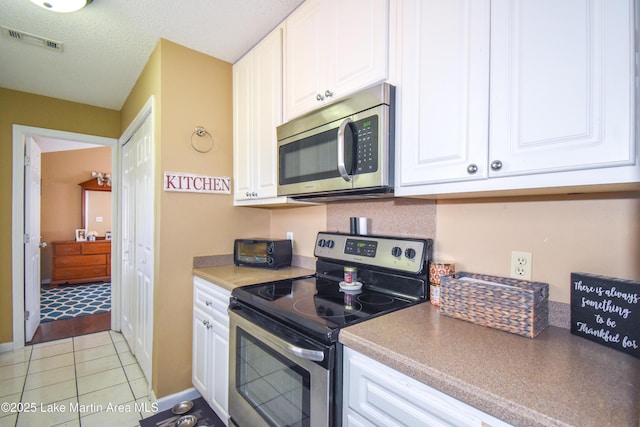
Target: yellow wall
[50, 113]
[190, 89]
[597, 233]
[61, 197]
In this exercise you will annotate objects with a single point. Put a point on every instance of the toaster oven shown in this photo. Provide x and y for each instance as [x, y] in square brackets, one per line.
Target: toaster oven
[263, 253]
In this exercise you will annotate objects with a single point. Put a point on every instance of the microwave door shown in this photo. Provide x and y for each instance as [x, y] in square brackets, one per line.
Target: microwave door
[310, 163]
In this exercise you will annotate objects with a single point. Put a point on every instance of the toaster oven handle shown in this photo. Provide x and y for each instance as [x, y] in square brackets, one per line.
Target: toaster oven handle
[341, 166]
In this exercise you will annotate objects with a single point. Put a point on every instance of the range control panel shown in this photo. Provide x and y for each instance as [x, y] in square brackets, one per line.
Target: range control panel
[403, 254]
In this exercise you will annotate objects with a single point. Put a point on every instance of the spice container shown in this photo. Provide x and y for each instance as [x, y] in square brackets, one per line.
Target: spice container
[436, 271]
[350, 275]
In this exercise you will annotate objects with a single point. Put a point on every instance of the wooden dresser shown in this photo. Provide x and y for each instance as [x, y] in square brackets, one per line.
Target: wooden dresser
[81, 262]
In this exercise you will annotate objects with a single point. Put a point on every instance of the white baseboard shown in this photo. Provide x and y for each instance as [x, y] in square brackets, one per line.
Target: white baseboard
[6, 346]
[168, 402]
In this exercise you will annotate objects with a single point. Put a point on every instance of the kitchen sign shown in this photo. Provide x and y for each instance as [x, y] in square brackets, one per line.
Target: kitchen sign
[606, 310]
[190, 183]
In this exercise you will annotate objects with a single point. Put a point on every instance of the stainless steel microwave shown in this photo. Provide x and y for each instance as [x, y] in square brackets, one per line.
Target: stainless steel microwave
[345, 148]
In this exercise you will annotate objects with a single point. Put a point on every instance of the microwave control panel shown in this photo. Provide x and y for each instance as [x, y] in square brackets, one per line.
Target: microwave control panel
[402, 254]
[366, 136]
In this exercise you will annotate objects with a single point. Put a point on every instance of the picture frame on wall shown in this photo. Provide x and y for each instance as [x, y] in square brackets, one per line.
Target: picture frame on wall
[81, 235]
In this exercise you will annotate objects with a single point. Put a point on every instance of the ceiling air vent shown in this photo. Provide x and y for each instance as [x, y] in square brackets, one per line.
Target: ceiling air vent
[32, 39]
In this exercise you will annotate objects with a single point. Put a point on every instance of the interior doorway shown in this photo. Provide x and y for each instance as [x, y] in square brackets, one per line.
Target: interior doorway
[26, 295]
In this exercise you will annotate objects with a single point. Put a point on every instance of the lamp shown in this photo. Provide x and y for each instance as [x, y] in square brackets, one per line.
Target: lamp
[102, 178]
[62, 5]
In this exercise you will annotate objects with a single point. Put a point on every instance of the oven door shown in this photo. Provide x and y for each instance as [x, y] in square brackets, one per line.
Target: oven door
[277, 378]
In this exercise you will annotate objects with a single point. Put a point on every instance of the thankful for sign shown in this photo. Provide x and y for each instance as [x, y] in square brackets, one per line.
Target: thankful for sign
[190, 183]
[606, 310]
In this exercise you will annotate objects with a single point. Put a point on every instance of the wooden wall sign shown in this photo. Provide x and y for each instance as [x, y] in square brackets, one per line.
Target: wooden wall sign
[606, 310]
[190, 183]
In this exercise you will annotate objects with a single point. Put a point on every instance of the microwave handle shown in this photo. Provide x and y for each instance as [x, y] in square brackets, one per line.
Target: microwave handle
[341, 166]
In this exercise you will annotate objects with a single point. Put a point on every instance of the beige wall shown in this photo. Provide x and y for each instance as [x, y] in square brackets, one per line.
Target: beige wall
[190, 89]
[596, 234]
[49, 113]
[61, 200]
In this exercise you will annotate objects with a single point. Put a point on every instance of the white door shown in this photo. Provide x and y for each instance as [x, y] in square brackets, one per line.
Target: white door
[128, 248]
[144, 260]
[32, 238]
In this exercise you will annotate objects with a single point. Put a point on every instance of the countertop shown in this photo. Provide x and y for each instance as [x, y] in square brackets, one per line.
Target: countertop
[232, 276]
[555, 379]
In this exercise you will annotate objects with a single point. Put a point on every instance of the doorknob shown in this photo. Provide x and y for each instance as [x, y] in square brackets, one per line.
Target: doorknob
[43, 245]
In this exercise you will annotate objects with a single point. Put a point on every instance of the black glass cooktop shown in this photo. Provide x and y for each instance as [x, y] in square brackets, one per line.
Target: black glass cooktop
[318, 306]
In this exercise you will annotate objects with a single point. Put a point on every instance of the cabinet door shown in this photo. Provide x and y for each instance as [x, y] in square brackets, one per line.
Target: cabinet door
[334, 48]
[375, 394]
[201, 363]
[242, 128]
[359, 48]
[267, 103]
[220, 375]
[443, 99]
[562, 85]
[308, 29]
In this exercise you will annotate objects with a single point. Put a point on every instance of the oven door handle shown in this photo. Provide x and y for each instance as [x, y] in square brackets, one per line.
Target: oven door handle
[341, 165]
[303, 353]
[315, 355]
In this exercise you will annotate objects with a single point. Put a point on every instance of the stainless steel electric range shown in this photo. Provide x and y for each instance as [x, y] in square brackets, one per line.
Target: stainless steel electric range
[285, 359]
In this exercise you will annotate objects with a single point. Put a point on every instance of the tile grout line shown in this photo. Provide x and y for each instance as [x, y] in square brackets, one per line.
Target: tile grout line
[75, 371]
[24, 384]
[125, 371]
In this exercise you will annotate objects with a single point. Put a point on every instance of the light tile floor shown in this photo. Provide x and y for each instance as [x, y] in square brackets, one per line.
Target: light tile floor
[86, 381]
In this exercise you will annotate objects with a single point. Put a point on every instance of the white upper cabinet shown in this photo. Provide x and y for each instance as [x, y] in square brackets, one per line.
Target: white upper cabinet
[442, 99]
[257, 111]
[334, 48]
[515, 94]
[562, 84]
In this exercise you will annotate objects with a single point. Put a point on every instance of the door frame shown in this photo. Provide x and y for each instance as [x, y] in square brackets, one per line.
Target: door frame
[20, 133]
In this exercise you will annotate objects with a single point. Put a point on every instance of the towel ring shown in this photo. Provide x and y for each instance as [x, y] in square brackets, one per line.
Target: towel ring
[200, 131]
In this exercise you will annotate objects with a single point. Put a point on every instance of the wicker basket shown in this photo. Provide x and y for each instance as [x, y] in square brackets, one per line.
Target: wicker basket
[510, 305]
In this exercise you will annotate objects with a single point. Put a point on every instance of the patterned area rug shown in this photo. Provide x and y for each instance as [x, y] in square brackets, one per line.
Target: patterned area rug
[67, 302]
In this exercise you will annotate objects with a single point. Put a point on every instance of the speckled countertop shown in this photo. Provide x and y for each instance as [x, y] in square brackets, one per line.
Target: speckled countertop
[231, 276]
[555, 379]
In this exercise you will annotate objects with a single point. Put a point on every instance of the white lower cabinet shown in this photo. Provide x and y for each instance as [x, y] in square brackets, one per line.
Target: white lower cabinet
[377, 395]
[210, 360]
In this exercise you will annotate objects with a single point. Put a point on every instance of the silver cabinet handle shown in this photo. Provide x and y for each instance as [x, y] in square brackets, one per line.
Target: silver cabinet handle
[496, 165]
[472, 168]
[328, 93]
[208, 303]
[341, 166]
[319, 97]
[206, 323]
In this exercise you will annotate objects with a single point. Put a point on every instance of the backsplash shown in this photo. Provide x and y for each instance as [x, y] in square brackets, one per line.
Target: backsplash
[394, 217]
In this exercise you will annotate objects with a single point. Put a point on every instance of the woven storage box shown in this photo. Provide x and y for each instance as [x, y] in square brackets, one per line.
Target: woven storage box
[510, 305]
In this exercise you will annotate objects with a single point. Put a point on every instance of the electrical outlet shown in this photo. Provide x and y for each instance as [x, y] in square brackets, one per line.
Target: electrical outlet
[521, 265]
[290, 235]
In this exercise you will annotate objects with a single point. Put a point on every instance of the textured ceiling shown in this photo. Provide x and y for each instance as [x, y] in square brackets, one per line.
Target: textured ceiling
[107, 44]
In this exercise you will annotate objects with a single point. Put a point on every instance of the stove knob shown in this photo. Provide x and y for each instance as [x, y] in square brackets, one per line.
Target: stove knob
[396, 251]
[321, 243]
[330, 244]
[410, 253]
